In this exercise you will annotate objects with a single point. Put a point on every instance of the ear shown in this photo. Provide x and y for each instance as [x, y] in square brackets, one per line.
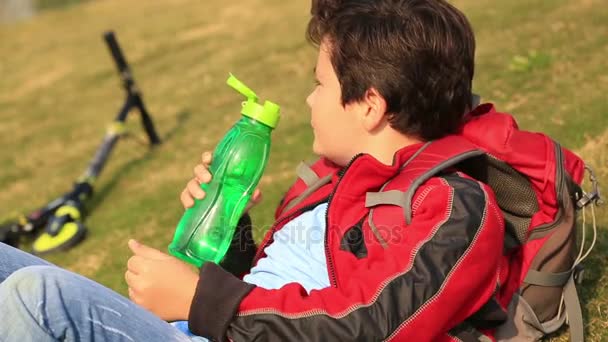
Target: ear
[373, 115]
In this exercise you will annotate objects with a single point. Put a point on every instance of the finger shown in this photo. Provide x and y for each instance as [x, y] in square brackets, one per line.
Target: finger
[257, 196]
[186, 199]
[130, 278]
[136, 264]
[134, 296]
[202, 174]
[145, 251]
[206, 158]
[195, 189]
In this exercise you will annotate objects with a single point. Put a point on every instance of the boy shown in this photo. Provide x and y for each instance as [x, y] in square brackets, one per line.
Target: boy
[392, 75]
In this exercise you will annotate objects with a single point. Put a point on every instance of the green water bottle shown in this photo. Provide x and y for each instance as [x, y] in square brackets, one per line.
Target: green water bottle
[205, 231]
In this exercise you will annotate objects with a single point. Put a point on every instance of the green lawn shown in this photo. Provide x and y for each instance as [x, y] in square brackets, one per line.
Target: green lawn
[542, 60]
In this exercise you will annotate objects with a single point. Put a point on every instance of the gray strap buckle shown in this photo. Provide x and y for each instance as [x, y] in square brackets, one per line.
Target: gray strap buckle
[593, 196]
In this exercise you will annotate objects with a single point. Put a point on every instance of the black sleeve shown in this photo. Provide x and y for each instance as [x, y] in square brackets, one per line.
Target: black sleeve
[242, 250]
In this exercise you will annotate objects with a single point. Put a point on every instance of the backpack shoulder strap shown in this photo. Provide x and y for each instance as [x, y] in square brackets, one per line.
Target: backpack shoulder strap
[432, 158]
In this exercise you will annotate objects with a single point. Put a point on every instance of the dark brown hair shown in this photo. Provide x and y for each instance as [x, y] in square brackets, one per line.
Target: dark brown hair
[419, 54]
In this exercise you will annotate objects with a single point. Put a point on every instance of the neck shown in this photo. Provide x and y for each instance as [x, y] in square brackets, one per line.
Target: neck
[383, 147]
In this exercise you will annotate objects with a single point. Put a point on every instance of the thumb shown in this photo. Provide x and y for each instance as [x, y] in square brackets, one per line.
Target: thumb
[257, 196]
[147, 252]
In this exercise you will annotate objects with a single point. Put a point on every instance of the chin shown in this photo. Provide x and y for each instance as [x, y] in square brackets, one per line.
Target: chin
[315, 149]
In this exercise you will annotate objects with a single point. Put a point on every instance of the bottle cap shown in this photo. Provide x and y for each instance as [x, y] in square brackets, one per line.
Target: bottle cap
[268, 114]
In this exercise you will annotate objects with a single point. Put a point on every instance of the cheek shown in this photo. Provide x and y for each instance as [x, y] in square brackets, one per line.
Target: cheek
[317, 111]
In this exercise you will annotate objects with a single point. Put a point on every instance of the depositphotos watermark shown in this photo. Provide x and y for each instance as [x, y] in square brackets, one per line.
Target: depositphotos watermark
[311, 235]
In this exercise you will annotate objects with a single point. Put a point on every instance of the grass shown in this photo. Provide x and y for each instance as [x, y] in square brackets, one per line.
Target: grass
[55, 4]
[539, 59]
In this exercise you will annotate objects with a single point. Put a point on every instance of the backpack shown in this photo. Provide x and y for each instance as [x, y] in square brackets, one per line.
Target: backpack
[537, 184]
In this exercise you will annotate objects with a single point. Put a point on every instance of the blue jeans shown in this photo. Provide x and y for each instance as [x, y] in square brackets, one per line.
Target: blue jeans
[42, 302]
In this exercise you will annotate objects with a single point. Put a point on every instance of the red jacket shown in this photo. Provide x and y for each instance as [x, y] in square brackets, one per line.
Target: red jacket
[391, 279]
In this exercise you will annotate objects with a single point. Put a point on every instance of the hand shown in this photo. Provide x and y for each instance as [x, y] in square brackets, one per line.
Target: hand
[202, 175]
[160, 283]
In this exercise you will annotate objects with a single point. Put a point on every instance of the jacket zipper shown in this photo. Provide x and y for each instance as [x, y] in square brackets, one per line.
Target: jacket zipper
[328, 257]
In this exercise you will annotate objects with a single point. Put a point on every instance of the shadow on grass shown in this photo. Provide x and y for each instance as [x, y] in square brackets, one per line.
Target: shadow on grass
[182, 118]
[101, 194]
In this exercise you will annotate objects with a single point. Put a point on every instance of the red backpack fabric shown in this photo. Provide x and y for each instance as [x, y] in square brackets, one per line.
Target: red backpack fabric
[537, 184]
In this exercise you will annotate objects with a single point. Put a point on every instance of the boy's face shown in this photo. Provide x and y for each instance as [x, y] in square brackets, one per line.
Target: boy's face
[337, 132]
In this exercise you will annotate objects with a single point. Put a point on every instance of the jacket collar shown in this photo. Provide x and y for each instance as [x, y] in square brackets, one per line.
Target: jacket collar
[364, 172]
